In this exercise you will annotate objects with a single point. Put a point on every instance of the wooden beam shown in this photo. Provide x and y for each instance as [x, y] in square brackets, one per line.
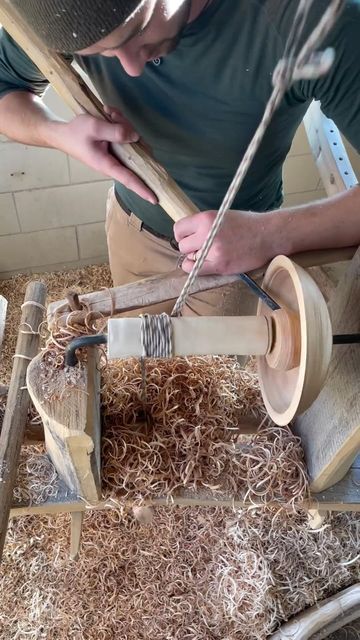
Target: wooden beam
[329, 152]
[18, 400]
[330, 429]
[149, 291]
[79, 97]
[345, 496]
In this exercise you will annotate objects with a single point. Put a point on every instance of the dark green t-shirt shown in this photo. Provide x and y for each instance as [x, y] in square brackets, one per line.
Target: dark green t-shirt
[199, 107]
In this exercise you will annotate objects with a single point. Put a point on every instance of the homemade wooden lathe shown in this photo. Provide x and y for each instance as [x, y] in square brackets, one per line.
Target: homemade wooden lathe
[298, 368]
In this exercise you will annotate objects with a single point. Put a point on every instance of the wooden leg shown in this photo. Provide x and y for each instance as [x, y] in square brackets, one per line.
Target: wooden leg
[316, 518]
[18, 400]
[75, 536]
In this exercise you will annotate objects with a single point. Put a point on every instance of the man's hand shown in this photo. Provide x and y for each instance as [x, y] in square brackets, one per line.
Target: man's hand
[88, 139]
[242, 243]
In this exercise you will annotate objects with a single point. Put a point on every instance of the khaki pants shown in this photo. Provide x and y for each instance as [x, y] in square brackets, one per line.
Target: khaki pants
[134, 253]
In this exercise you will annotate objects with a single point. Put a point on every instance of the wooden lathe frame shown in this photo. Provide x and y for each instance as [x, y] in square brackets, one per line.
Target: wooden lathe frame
[337, 175]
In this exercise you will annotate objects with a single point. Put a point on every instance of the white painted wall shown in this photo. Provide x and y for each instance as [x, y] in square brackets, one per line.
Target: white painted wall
[52, 208]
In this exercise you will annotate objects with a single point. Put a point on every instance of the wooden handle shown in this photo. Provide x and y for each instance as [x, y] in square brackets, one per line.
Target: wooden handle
[171, 198]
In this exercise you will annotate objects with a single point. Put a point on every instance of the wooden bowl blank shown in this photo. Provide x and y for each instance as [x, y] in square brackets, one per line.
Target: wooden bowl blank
[289, 393]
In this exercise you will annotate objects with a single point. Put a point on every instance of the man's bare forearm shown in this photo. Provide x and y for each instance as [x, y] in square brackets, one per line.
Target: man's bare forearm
[24, 118]
[330, 223]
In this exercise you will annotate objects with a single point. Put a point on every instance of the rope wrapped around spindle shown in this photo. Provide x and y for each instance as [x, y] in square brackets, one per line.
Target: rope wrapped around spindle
[156, 336]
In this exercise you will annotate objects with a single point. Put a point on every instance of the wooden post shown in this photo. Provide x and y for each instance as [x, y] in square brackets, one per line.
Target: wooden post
[18, 400]
[330, 429]
[77, 518]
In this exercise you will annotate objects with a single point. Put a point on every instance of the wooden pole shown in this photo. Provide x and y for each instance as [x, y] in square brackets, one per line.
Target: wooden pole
[149, 291]
[18, 401]
[305, 625]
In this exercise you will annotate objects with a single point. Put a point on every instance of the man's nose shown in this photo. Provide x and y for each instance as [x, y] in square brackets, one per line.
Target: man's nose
[132, 63]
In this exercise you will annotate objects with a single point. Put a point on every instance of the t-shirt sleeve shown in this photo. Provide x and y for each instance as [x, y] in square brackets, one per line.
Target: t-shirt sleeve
[17, 71]
[339, 90]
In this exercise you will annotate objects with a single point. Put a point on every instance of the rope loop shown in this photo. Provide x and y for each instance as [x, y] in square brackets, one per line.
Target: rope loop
[156, 336]
[33, 303]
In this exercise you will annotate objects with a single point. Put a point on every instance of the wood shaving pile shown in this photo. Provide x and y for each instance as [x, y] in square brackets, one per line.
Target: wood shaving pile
[83, 280]
[185, 433]
[37, 479]
[273, 565]
[191, 574]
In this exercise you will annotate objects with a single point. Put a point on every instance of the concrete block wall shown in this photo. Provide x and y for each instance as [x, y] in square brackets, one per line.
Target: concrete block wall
[52, 207]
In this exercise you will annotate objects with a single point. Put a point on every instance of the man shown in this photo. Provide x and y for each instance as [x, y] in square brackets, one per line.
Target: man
[192, 78]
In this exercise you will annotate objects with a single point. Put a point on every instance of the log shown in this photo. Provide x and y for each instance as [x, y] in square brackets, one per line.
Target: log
[305, 625]
[18, 400]
[156, 289]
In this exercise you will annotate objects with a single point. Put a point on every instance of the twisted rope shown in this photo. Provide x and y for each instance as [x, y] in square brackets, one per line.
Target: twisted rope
[306, 64]
[156, 336]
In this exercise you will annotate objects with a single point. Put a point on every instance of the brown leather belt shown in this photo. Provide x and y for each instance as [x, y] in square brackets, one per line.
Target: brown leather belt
[146, 227]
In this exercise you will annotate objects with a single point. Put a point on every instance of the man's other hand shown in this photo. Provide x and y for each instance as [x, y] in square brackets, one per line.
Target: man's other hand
[88, 139]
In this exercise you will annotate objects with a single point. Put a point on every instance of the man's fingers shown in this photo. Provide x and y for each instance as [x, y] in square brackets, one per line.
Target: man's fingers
[186, 227]
[110, 132]
[111, 167]
[208, 267]
[116, 115]
[189, 243]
